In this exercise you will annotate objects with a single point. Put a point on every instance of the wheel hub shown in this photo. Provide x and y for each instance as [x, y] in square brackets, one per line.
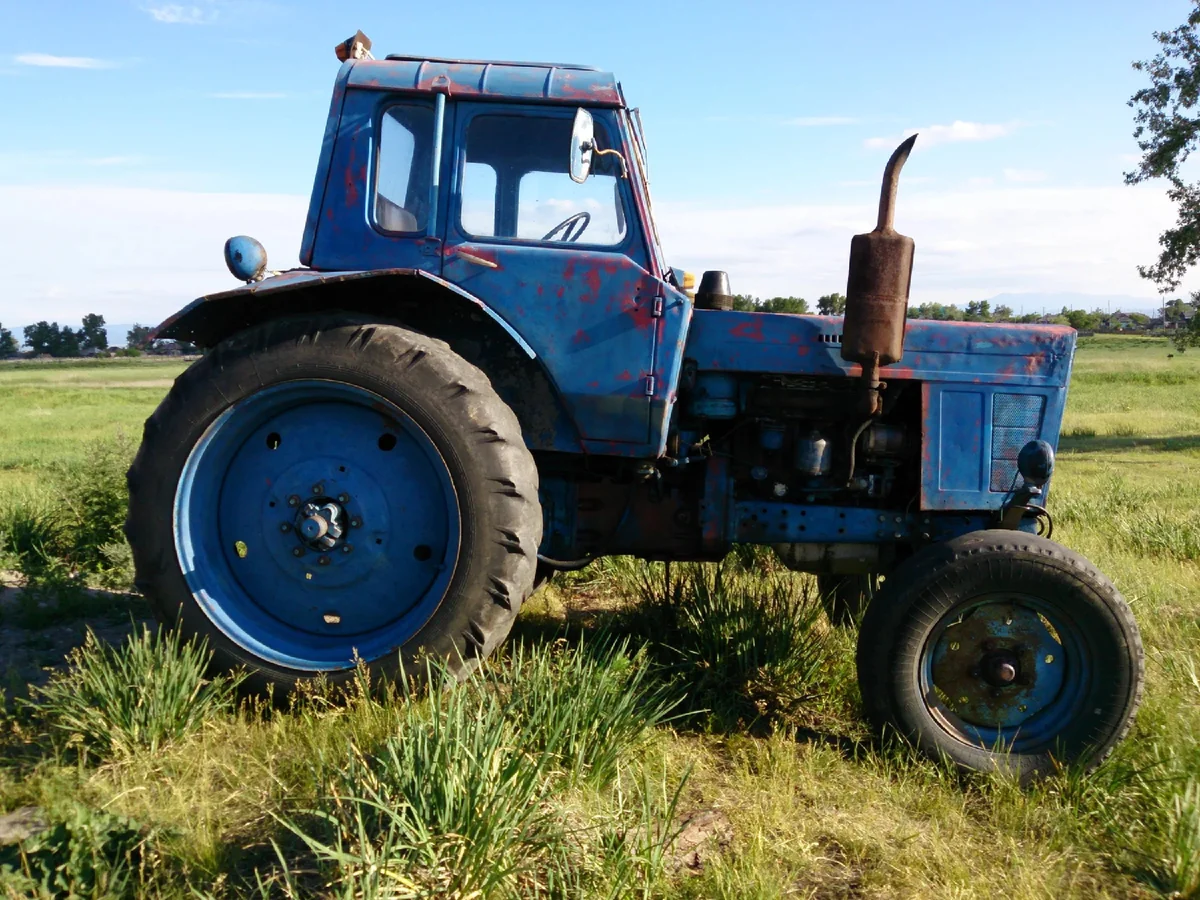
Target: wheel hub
[321, 523]
[1000, 668]
[997, 666]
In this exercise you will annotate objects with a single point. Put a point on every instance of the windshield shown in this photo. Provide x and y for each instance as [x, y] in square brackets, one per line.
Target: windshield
[515, 184]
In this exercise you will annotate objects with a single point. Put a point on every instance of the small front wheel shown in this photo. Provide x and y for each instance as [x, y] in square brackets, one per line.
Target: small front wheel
[1004, 651]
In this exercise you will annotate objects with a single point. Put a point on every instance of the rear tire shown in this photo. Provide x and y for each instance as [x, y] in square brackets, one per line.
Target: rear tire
[442, 533]
[1002, 651]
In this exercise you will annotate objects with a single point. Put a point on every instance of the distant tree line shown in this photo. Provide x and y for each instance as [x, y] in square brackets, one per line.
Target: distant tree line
[828, 305]
[91, 338]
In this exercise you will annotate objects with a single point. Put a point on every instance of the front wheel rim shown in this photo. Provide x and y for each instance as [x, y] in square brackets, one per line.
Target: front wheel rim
[316, 524]
[1005, 672]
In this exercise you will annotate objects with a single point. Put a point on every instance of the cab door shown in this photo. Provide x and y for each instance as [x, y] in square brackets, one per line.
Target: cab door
[382, 193]
[563, 263]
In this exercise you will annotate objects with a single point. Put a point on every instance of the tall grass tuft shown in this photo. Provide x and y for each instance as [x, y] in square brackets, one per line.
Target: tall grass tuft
[1137, 521]
[586, 706]
[449, 806]
[1183, 843]
[93, 500]
[747, 649]
[150, 691]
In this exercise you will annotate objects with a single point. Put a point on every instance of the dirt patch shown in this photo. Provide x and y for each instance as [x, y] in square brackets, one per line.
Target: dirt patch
[35, 638]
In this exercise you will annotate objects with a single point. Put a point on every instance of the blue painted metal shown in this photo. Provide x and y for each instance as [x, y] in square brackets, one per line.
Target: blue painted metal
[933, 351]
[479, 80]
[972, 435]
[181, 324]
[245, 257]
[606, 326]
[1053, 666]
[324, 164]
[612, 333]
[715, 396]
[252, 572]
[777, 523]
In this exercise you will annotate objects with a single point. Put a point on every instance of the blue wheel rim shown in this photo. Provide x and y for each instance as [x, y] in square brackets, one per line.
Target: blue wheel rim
[964, 679]
[316, 524]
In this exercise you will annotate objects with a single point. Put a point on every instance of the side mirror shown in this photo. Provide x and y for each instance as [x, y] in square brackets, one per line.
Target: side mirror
[583, 141]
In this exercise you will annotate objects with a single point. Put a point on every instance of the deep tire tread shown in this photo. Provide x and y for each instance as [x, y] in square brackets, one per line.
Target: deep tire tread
[455, 403]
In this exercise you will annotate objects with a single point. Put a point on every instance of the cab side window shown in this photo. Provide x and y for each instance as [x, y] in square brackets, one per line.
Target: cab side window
[402, 168]
[515, 184]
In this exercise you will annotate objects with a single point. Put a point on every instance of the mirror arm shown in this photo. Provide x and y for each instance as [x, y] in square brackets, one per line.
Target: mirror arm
[596, 151]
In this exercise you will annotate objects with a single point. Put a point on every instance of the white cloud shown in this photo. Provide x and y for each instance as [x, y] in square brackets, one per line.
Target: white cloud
[46, 60]
[248, 95]
[131, 254]
[953, 133]
[819, 121]
[178, 14]
[970, 243]
[1025, 176]
[139, 254]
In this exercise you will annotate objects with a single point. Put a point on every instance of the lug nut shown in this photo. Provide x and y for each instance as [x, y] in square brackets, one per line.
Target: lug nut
[356, 523]
[285, 527]
[346, 548]
[318, 488]
[343, 498]
[297, 551]
[323, 561]
[293, 500]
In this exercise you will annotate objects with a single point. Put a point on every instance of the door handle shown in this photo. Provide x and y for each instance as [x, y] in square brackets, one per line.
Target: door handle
[477, 260]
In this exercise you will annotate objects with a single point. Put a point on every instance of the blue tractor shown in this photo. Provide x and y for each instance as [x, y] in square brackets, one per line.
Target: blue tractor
[485, 371]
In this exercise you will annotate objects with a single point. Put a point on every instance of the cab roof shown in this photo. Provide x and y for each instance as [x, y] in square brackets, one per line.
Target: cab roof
[528, 82]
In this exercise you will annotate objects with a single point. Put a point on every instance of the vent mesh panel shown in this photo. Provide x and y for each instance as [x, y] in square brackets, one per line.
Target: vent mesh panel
[1016, 420]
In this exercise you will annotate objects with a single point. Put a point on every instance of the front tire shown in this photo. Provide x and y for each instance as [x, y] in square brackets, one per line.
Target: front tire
[1002, 651]
[322, 490]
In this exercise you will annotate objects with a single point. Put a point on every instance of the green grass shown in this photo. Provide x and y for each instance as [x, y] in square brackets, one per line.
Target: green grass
[629, 700]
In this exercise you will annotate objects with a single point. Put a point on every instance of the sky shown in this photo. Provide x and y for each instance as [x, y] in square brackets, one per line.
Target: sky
[136, 135]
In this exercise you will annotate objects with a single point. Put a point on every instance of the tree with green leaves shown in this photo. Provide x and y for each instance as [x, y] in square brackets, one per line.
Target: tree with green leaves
[832, 305]
[8, 343]
[93, 336]
[138, 338]
[43, 338]
[794, 305]
[1168, 132]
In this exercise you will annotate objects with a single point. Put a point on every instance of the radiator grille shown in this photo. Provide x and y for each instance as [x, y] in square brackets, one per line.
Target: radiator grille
[1016, 420]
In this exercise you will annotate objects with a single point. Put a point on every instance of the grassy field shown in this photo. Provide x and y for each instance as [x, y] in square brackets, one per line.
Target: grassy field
[620, 746]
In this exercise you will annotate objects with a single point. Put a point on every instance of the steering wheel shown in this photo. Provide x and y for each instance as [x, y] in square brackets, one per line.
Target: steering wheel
[582, 219]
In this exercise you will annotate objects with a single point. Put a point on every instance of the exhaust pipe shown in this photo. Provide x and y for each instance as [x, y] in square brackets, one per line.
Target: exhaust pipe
[877, 290]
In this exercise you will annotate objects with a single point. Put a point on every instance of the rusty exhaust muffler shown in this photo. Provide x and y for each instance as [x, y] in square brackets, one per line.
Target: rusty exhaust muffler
[877, 290]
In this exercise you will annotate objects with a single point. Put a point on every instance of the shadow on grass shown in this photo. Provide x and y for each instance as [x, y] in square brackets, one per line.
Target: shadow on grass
[1084, 443]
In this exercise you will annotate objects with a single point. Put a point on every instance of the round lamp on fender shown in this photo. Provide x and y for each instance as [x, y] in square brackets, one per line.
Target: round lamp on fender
[246, 258]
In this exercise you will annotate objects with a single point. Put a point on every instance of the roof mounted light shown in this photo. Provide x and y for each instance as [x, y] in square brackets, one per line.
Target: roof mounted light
[357, 47]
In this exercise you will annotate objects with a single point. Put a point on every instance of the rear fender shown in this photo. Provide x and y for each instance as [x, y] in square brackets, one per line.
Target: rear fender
[410, 297]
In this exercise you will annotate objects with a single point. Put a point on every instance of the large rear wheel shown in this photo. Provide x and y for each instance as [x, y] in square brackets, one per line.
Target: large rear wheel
[323, 490]
[1002, 650]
